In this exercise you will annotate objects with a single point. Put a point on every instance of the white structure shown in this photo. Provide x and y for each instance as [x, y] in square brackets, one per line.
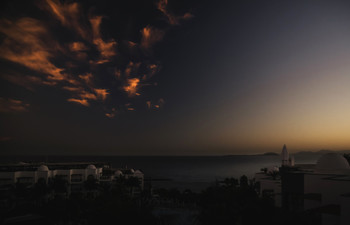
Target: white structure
[74, 173]
[286, 160]
[65, 171]
[322, 188]
[270, 181]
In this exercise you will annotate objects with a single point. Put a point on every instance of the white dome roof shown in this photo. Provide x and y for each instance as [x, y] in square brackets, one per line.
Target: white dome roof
[138, 171]
[91, 167]
[118, 173]
[331, 162]
[272, 169]
[43, 168]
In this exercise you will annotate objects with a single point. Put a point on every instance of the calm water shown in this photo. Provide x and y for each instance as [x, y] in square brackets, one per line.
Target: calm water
[193, 172]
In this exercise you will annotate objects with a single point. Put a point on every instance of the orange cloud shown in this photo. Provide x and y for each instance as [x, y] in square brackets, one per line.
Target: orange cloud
[106, 49]
[111, 114]
[69, 15]
[87, 95]
[25, 81]
[148, 104]
[26, 43]
[161, 101]
[162, 6]
[78, 49]
[187, 16]
[101, 93]
[132, 68]
[77, 46]
[72, 89]
[150, 36]
[117, 74]
[153, 69]
[87, 78]
[131, 44]
[83, 102]
[173, 20]
[49, 83]
[132, 86]
[12, 105]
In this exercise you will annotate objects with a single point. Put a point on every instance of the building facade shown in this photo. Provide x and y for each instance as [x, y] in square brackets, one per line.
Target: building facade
[322, 189]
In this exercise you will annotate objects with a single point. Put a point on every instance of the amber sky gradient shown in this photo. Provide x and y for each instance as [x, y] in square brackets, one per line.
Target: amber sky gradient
[169, 77]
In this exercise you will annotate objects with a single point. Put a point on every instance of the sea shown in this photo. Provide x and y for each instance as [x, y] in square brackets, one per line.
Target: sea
[180, 172]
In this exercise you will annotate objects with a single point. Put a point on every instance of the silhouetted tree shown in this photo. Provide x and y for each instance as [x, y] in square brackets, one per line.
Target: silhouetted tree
[243, 181]
[59, 184]
[91, 183]
[231, 182]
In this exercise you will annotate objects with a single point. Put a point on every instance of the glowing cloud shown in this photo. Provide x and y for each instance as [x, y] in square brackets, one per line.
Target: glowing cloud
[173, 20]
[72, 89]
[83, 102]
[101, 93]
[25, 44]
[132, 68]
[71, 65]
[111, 114]
[148, 104]
[131, 87]
[69, 16]
[87, 78]
[150, 36]
[117, 73]
[25, 81]
[162, 6]
[77, 47]
[106, 49]
[87, 95]
[12, 105]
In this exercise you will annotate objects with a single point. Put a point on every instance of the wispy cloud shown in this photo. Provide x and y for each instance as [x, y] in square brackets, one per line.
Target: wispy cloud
[83, 102]
[148, 103]
[73, 65]
[157, 105]
[87, 78]
[131, 69]
[9, 105]
[26, 43]
[111, 114]
[69, 14]
[132, 86]
[150, 36]
[172, 19]
[79, 50]
[26, 81]
[101, 93]
[106, 48]
[72, 89]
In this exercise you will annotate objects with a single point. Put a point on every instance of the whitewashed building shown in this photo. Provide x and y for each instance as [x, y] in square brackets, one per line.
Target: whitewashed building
[322, 188]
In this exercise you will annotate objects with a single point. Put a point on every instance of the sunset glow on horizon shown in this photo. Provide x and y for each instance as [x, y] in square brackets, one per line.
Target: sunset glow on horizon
[174, 77]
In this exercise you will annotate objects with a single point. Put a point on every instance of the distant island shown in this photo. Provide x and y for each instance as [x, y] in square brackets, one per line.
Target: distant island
[270, 153]
[320, 152]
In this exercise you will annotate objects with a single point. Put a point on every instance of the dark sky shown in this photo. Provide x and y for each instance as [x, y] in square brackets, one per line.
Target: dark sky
[174, 77]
